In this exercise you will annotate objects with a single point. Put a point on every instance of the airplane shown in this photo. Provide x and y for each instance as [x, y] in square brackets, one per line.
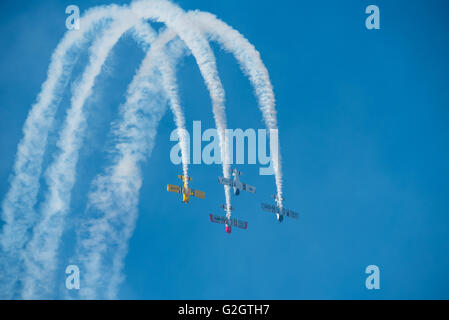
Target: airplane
[278, 210]
[236, 183]
[185, 190]
[228, 222]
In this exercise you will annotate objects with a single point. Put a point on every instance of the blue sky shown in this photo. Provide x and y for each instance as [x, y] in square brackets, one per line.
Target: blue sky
[363, 130]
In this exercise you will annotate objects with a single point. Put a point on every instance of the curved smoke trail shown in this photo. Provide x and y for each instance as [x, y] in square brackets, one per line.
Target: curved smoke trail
[106, 187]
[61, 174]
[41, 251]
[251, 63]
[171, 89]
[144, 34]
[176, 19]
[57, 201]
[114, 194]
[18, 205]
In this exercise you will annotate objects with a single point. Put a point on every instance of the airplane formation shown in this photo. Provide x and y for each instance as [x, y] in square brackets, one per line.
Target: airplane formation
[237, 186]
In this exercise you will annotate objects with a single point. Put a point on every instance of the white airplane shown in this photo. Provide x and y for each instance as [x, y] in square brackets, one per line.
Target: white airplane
[236, 183]
[228, 222]
[278, 210]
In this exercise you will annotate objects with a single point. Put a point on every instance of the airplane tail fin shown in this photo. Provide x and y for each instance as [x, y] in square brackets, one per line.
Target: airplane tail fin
[236, 172]
[277, 198]
[223, 206]
[183, 178]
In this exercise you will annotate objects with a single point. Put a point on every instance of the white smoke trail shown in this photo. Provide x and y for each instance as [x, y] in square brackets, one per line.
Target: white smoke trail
[176, 19]
[114, 189]
[115, 193]
[252, 65]
[157, 10]
[41, 251]
[170, 87]
[106, 190]
[166, 66]
[61, 173]
[18, 206]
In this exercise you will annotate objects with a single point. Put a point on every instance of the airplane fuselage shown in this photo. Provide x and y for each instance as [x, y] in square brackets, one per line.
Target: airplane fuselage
[238, 185]
[185, 194]
[279, 217]
[228, 228]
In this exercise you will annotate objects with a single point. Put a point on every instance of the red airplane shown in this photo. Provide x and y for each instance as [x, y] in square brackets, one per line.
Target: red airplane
[228, 222]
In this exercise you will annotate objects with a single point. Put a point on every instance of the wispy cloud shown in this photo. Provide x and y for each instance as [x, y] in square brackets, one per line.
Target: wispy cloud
[18, 206]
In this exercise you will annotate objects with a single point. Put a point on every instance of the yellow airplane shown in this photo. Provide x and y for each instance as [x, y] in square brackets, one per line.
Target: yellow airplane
[185, 190]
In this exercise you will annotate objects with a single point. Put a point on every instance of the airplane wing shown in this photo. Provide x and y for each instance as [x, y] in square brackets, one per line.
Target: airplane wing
[217, 219]
[290, 213]
[173, 188]
[249, 188]
[225, 207]
[197, 193]
[226, 181]
[239, 223]
[234, 222]
[269, 208]
[274, 209]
